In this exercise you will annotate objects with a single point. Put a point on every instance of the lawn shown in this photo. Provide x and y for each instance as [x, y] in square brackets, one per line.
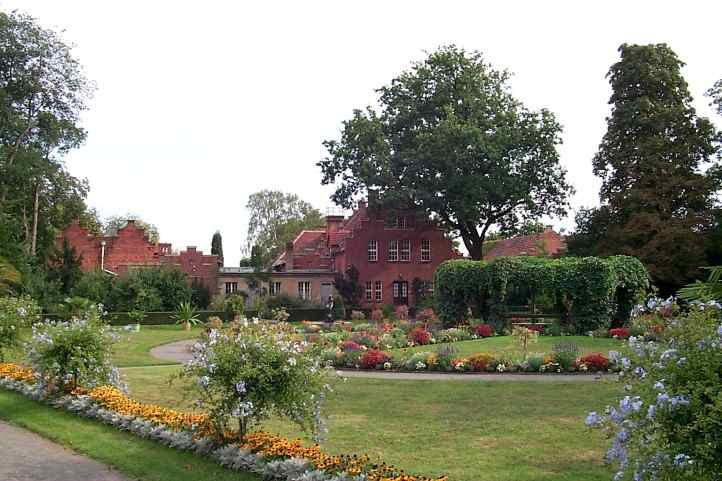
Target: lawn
[472, 431]
[136, 458]
[505, 344]
[134, 347]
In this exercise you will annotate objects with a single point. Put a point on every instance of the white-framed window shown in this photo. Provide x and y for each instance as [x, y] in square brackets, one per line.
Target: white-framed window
[401, 222]
[378, 291]
[425, 250]
[275, 288]
[373, 251]
[404, 289]
[393, 250]
[396, 290]
[231, 287]
[304, 290]
[405, 250]
[369, 291]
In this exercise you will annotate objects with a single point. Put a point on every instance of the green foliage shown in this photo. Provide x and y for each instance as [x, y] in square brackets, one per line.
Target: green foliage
[348, 286]
[589, 291]
[452, 140]
[709, 290]
[71, 354]
[186, 315]
[217, 247]
[113, 224]
[94, 285]
[200, 294]
[65, 268]
[715, 95]
[15, 312]
[149, 289]
[667, 427]
[654, 144]
[242, 377]
[10, 277]
[276, 218]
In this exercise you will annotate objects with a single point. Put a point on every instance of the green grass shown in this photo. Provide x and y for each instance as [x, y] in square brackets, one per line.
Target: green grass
[505, 344]
[472, 431]
[134, 347]
[134, 457]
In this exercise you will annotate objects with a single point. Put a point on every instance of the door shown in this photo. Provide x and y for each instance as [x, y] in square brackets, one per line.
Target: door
[401, 292]
[326, 292]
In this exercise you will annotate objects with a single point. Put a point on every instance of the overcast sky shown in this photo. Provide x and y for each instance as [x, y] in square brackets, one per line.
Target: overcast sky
[200, 104]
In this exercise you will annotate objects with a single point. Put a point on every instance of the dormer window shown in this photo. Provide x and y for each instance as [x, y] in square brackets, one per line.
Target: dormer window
[397, 222]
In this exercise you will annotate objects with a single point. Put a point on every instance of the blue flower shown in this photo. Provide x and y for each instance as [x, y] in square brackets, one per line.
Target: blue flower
[241, 387]
[682, 460]
[593, 419]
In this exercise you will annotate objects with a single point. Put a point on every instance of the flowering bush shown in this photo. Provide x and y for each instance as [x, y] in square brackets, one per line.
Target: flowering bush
[426, 315]
[259, 370]
[15, 312]
[480, 362]
[373, 359]
[402, 312]
[667, 427]
[484, 330]
[453, 334]
[619, 333]
[593, 362]
[420, 336]
[377, 315]
[350, 346]
[365, 339]
[74, 353]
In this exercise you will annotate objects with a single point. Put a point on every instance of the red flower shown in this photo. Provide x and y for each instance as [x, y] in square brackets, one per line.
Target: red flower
[372, 359]
[484, 330]
[420, 335]
[620, 332]
[594, 361]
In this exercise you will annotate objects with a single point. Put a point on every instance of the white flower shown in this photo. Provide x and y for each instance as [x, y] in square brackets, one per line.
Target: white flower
[420, 365]
[292, 361]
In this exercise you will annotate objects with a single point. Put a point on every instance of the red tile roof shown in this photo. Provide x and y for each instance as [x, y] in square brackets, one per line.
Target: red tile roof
[548, 242]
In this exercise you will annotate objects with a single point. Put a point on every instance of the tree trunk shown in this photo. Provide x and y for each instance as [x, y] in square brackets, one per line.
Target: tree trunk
[36, 209]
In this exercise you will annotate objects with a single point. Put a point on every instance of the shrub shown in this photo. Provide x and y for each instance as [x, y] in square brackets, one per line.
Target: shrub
[373, 359]
[453, 334]
[420, 361]
[365, 339]
[364, 326]
[214, 322]
[445, 355]
[594, 362]
[666, 427]
[402, 312]
[260, 370]
[480, 362]
[484, 330]
[377, 315]
[358, 315]
[426, 315]
[619, 333]
[73, 353]
[280, 314]
[534, 363]
[554, 329]
[15, 312]
[420, 336]
[565, 353]
[350, 346]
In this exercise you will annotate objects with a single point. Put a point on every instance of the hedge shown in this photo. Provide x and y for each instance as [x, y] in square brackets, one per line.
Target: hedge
[589, 292]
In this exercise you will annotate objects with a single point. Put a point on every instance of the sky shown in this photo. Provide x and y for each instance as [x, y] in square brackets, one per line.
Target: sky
[200, 104]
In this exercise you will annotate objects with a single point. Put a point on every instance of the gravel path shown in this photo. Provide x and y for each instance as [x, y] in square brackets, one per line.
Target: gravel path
[180, 352]
[25, 456]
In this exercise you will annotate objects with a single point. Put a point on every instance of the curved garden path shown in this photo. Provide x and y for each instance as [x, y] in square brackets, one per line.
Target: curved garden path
[180, 352]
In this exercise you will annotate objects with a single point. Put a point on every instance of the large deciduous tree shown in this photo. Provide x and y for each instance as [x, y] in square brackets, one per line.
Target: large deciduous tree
[451, 140]
[658, 171]
[276, 218]
[43, 90]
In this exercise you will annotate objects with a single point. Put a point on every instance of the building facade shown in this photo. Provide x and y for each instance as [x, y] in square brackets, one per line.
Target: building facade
[395, 252]
[130, 248]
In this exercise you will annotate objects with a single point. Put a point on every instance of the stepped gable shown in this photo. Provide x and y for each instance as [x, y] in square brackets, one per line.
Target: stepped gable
[548, 243]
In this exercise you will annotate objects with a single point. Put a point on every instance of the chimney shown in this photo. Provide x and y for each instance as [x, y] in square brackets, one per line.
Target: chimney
[289, 256]
[333, 224]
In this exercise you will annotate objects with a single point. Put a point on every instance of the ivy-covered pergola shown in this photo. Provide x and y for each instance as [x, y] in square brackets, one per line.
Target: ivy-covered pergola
[587, 292]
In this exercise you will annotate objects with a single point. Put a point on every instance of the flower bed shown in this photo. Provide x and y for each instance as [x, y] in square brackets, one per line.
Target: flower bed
[270, 456]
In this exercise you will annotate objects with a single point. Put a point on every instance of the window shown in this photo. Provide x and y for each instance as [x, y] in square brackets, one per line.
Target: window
[425, 250]
[378, 291]
[369, 292]
[275, 288]
[373, 251]
[396, 290]
[404, 290]
[231, 287]
[393, 251]
[405, 250]
[397, 222]
[304, 290]
[400, 290]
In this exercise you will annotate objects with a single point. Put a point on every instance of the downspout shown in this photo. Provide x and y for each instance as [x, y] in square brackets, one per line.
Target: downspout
[102, 255]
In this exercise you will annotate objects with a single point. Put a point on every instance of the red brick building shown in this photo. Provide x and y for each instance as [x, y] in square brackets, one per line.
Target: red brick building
[547, 243]
[390, 249]
[130, 248]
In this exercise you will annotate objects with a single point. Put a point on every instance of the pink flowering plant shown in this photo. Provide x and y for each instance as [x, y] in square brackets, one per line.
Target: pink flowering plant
[668, 426]
[242, 376]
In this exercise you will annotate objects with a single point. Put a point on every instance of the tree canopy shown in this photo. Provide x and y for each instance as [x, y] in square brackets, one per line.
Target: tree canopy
[112, 224]
[658, 170]
[217, 247]
[452, 140]
[276, 218]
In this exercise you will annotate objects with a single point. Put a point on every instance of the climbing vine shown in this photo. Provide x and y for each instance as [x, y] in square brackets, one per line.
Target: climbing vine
[589, 292]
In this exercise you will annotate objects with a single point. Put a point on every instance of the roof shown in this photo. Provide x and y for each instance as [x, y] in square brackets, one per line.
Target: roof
[548, 242]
